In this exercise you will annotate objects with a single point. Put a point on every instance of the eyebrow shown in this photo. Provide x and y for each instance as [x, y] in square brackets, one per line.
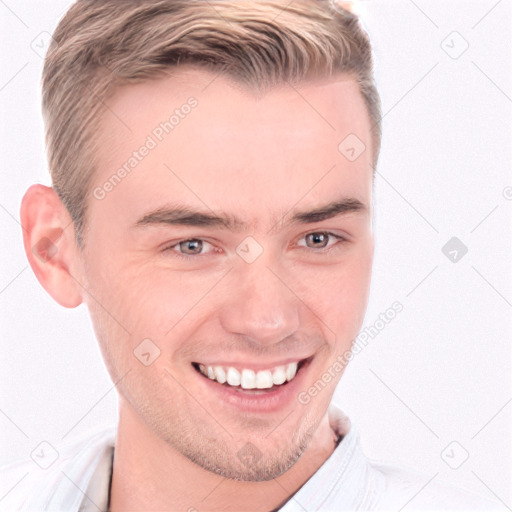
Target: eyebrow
[182, 215]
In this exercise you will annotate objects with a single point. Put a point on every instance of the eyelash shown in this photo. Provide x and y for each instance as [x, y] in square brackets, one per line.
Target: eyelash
[341, 239]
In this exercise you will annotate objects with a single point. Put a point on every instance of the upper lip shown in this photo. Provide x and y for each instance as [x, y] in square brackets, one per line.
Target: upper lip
[256, 366]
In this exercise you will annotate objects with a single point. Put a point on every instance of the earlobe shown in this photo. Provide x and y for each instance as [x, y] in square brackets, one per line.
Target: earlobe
[49, 241]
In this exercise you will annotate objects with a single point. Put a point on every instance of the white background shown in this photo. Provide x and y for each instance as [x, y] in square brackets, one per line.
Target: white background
[441, 370]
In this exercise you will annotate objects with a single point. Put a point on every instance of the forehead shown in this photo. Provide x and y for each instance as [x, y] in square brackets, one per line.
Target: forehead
[213, 142]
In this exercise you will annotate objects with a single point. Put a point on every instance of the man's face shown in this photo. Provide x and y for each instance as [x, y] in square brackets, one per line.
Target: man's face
[262, 290]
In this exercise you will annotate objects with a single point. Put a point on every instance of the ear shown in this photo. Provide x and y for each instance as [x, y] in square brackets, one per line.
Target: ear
[50, 246]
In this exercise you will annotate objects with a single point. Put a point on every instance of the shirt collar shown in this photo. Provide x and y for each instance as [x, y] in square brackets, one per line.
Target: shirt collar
[345, 481]
[97, 496]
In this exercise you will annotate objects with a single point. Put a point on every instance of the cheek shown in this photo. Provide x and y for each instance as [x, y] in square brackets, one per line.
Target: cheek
[151, 301]
[338, 294]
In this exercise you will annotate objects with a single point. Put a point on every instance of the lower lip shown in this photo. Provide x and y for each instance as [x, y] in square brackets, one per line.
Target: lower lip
[270, 401]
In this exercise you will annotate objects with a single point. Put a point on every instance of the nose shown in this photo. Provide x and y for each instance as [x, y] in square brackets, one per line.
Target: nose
[261, 305]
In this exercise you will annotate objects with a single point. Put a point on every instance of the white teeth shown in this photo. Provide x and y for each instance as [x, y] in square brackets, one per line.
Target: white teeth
[220, 374]
[233, 377]
[279, 375]
[248, 379]
[264, 379]
[291, 370]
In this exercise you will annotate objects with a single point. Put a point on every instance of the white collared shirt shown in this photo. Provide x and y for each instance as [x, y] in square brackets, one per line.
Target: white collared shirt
[79, 481]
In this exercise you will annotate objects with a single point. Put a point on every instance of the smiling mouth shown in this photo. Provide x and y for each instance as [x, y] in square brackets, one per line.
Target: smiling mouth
[245, 379]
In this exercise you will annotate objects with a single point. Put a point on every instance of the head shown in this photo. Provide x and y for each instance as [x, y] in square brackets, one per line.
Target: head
[212, 168]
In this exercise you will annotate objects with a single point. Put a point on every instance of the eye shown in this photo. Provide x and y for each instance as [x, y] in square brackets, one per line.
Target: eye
[190, 248]
[194, 246]
[317, 240]
[321, 240]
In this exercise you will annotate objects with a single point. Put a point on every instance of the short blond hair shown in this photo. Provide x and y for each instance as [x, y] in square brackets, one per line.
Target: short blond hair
[100, 45]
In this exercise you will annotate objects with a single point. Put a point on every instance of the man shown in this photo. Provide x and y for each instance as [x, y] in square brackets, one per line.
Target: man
[212, 166]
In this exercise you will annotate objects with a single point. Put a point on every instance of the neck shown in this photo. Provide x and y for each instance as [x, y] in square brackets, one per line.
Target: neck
[149, 474]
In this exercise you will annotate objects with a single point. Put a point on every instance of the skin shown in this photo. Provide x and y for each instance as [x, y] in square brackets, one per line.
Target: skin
[259, 158]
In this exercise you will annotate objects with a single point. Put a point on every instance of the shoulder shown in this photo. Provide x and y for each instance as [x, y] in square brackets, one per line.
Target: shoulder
[405, 488]
[51, 471]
